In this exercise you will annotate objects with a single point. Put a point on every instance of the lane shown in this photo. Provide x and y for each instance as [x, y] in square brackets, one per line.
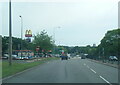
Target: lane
[81, 74]
[108, 72]
[58, 71]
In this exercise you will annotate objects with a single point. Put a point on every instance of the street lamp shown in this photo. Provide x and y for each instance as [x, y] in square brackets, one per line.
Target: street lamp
[54, 31]
[54, 35]
[21, 32]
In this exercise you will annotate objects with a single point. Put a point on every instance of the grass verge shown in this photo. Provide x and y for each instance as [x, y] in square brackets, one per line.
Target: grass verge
[18, 67]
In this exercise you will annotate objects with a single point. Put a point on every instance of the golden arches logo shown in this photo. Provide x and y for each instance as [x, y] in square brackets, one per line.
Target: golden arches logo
[28, 33]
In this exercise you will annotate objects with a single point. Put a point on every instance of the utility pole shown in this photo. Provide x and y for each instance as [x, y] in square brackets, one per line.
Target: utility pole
[103, 54]
[21, 33]
[99, 54]
[10, 35]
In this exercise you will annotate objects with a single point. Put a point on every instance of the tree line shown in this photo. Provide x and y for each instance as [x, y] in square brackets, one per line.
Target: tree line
[41, 40]
[109, 45]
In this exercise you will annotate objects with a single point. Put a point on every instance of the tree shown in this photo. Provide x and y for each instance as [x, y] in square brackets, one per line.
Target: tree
[5, 42]
[16, 44]
[111, 43]
[44, 41]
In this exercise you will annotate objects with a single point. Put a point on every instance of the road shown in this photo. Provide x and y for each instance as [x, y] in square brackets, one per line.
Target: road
[67, 71]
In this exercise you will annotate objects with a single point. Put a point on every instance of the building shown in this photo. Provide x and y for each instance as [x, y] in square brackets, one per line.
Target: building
[94, 45]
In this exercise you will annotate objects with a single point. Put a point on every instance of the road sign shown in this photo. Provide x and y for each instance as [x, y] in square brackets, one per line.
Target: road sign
[28, 40]
[37, 48]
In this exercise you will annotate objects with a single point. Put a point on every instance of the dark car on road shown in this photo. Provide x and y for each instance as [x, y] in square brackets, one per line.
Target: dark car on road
[64, 57]
[83, 57]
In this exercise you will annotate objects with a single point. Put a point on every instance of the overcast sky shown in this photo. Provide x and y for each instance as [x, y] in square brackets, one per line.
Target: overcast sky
[81, 23]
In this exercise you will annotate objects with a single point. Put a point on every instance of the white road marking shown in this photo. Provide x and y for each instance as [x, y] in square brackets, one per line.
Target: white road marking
[92, 70]
[99, 76]
[105, 80]
[88, 66]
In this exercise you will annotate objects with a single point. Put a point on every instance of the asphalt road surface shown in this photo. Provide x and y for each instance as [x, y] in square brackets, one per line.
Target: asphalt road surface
[67, 71]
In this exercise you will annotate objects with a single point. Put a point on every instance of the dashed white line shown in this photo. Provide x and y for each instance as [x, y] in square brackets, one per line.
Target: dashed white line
[105, 80]
[92, 70]
[88, 66]
[99, 76]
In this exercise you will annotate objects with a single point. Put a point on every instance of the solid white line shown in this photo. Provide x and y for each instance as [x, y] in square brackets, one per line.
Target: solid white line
[93, 70]
[105, 80]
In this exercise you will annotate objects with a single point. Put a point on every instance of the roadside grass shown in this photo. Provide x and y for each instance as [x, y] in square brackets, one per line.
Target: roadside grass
[18, 67]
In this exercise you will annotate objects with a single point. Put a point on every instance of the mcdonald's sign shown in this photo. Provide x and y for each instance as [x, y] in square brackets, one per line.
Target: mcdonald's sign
[28, 40]
[28, 33]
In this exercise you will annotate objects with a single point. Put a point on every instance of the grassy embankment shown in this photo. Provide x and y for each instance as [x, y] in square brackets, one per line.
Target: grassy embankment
[18, 67]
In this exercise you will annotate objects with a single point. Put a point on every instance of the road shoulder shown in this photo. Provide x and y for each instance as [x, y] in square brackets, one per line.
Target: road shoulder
[108, 64]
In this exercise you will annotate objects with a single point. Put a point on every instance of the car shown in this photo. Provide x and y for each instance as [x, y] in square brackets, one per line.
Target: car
[14, 57]
[64, 57]
[18, 58]
[21, 58]
[77, 55]
[25, 58]
[30, 57]
[113, 58]
[68, 56]
[5, 56]
[82, 57]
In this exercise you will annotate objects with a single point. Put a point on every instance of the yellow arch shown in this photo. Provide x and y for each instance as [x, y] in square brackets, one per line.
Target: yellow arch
[28, 32]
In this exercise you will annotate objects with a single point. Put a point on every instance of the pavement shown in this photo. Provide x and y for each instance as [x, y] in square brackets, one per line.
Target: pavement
[67, 71]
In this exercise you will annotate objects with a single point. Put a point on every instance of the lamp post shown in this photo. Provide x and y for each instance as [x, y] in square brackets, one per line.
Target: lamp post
[103, 54]
[54, 35]
[10, 34]
[21, 32]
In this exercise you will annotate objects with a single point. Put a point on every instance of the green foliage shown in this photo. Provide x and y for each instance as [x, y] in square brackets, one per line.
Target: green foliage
[5, 42]
[16, 44]
[44, 41]
[111, 43]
